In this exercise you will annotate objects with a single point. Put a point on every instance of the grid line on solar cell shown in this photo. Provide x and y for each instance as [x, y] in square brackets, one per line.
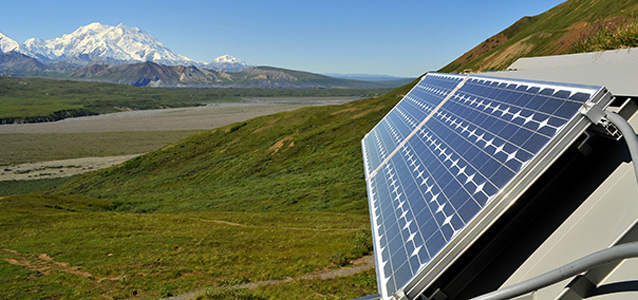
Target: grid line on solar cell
[513, 115]
[468, 130]
[463, 168]
[434, 198]
[468, 147]
[467, 97]
[397, 192]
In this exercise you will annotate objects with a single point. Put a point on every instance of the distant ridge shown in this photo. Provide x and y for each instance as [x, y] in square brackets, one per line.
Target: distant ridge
[369, 77]
[14, 63]
[150, 74]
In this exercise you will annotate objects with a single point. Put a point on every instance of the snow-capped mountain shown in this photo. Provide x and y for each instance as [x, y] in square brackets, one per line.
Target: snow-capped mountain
[227, 63]
[98, 43]
[7, 44]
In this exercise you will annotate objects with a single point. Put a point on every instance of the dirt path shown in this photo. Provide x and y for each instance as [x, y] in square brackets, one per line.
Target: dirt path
[44, 264]
[362, 264]
[220, 222]
[60, 168]
[278, 227]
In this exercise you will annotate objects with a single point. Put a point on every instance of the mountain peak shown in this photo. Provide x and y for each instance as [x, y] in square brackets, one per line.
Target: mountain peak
[99, 43]
[228, 63]
[7, 44]
[126, 28]
[226, 59]
[94, 25]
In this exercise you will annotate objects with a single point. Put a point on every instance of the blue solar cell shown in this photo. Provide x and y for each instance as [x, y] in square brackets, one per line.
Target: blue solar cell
[445, 152]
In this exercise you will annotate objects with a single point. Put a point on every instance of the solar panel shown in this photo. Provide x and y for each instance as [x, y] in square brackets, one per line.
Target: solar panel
[451, 157]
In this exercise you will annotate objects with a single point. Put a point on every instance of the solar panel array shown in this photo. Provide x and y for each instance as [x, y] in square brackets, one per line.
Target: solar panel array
[446, 151]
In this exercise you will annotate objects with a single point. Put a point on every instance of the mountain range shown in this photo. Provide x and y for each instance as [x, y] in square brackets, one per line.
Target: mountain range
[128, 55]
[103, 44]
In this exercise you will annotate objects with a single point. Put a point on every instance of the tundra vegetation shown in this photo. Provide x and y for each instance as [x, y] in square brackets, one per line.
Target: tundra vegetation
[39, 100]
[275, 197]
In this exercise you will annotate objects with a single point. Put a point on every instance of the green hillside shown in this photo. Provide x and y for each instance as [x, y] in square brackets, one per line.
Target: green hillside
[573, 26]
[274, 197]
[78, 248]
[308, 159]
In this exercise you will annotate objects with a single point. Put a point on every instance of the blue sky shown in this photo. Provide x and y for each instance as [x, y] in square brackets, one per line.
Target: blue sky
[400, 38]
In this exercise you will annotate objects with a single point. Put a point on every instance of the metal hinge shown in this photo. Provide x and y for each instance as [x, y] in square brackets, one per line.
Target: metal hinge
[597, 116]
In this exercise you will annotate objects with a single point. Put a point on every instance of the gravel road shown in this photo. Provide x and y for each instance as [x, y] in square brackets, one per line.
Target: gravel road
[60, 168]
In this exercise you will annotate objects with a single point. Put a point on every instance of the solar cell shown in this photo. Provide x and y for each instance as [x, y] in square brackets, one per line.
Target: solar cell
[448, 159]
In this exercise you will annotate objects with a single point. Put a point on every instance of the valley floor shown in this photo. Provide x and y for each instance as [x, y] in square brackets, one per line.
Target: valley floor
[188, 118]
[34, 140]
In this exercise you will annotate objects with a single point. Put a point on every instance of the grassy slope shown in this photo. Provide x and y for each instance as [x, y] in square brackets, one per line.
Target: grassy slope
[74, 247]
[33, 97]
[608, 38]
[308, 159]
[15, 187]
[292, 181]
[19, 148]
[556, 31]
